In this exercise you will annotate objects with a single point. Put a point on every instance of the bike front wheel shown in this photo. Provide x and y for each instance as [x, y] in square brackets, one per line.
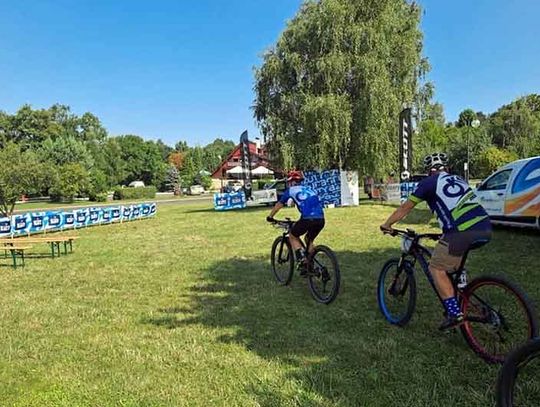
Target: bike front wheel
[396, 291]
[519, 378]
[324, 277]
[282, 260]
[498, 317]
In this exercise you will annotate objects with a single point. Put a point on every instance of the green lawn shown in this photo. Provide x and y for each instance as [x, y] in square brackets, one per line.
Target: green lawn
[182, 310]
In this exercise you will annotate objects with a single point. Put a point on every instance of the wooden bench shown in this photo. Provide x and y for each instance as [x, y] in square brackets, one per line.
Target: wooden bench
[53, 241]
[16, 250]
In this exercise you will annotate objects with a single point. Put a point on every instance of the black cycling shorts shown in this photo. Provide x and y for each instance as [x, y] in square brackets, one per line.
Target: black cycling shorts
[310, 227]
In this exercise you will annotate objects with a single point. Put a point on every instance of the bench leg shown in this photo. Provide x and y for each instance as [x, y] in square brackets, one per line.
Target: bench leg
[65, 247]
[22, 257]
[52, 249]
[14, 257]
[71, 246]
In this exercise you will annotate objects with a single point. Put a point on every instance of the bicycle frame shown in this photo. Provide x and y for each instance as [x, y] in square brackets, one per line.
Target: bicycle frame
[287, 225]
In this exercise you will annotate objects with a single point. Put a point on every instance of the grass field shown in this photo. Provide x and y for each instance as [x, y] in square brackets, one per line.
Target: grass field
[182, 310]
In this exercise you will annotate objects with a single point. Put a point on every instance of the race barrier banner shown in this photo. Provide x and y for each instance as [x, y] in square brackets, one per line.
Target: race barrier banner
[327, 184]
[407, 188]
[227, 201]
[51, 221]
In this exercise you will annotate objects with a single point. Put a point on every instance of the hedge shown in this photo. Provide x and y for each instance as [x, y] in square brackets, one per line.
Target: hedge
[135, 193]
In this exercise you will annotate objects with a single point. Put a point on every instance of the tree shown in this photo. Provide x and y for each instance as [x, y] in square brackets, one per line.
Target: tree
[431, 138]
[466, 118]
[172, 180]
[164, 149]
[328, 94]
[66, 150]
[517, 126]
[20, 174]
[176, 159]
[142, 160]
[493, 158]
[70, 180]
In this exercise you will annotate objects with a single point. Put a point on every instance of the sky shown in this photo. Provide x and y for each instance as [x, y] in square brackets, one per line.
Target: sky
[183, 69]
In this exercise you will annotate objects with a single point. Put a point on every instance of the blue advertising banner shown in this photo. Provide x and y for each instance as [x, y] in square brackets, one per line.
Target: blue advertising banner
[69, 220]
[116, 214]
[407, 188]
[53, 220]
[327, 184]
[82, 218]
[21, 224]
[37, 222]
[227, 201]
[5, 227]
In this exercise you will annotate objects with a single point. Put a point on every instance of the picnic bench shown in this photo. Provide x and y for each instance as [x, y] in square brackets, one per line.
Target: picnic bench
[16, 250]
[53, 241]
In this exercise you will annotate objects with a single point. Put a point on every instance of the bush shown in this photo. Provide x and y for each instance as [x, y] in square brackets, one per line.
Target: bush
[206, 182]
[100, 197]
[135, 193]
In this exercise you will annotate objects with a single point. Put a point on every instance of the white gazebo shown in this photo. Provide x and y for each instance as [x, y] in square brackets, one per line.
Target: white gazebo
[261, 170]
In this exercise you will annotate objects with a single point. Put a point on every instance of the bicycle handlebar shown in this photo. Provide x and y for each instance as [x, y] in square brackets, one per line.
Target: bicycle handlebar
[411, 234]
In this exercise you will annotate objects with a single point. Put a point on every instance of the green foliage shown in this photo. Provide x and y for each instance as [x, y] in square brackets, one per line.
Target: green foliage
[135, 193]
[466, 118]
[206, 182]
[20, 174]
[493, 158]
[260, 183]
[69, 180]
[100, 197]
[98, 185]
[431, 137]
[328, 94]
[65, 150]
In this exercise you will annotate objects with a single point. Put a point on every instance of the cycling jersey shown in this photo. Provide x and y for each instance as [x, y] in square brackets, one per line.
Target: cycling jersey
[306, 200]
[449, 197]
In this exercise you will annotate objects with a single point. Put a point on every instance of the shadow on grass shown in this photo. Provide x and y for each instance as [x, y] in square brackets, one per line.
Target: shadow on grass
[342, 354]
[246, 209]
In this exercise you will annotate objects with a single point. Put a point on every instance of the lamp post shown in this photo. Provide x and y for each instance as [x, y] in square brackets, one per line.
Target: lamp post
[474, 124]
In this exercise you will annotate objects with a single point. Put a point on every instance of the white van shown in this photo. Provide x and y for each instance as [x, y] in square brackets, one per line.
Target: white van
[511, 195]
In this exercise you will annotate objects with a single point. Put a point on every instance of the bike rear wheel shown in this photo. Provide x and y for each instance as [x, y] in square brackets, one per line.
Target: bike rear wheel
[519, 378]
[324, 277]
[282, 259]
[498, 317]
[396, 291]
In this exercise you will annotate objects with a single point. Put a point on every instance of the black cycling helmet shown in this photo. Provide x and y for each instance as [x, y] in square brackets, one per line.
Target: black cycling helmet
[435, 161]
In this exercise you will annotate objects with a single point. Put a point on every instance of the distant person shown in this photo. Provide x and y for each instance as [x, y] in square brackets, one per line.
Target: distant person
[463, 222]
[368, 186]
[311, 221]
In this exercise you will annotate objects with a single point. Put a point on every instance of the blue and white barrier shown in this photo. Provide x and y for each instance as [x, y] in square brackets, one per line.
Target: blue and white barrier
[232, 200]
[52, 221]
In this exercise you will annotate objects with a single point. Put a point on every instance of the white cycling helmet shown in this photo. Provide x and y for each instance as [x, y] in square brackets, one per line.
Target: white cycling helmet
[435, 161]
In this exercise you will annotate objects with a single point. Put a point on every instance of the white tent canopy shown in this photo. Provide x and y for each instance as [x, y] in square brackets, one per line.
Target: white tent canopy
[236, 170]
[262, 171]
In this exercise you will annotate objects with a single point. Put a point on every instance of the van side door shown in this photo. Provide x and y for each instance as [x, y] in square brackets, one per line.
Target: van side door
[492, 192]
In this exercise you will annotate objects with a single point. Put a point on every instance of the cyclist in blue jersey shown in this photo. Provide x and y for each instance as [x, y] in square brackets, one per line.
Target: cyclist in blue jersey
[463, 223]
[311, 220]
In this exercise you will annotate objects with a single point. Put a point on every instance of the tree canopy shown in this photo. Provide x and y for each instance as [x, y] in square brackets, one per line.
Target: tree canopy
[330, 90]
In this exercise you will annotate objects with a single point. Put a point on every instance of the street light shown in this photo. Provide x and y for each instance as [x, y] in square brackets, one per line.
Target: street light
[474, 123]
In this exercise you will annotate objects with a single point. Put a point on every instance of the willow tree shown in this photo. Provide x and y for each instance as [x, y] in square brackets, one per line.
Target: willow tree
[329, 92]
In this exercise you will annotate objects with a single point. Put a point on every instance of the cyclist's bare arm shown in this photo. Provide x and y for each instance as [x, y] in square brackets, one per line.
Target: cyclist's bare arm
[275, 209]
[399, 214]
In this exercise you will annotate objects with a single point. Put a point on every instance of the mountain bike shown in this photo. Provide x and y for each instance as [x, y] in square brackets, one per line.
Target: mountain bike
[519, 378]
[497, 313]
[322, 266]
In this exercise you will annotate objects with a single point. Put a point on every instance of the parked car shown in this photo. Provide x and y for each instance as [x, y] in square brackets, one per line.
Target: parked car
[196, 190]
[136, 184]
[280, 186]
[511, 195]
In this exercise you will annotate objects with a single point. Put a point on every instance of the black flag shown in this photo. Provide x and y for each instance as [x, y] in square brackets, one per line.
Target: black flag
[246, 163]
[405, 144]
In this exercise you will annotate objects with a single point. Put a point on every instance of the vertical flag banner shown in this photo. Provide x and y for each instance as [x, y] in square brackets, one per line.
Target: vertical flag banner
[246, 163]
[405, 144]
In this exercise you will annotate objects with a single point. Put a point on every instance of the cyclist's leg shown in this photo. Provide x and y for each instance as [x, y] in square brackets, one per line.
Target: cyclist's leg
[297, 231]
[315, 227]
[442, 263]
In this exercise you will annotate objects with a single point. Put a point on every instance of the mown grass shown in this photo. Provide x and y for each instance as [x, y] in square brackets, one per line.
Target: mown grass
[182, 310]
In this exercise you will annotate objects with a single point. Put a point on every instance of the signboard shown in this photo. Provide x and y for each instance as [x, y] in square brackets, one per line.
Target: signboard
[227, 201]
[265, 196]
[349, 188]
[37, 222]
[405, 144]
